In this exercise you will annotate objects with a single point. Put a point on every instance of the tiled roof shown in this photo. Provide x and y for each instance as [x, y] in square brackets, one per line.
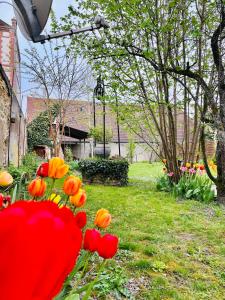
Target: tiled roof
[78, 114]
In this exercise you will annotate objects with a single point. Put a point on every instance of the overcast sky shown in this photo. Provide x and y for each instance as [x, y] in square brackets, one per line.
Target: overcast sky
[6, 14]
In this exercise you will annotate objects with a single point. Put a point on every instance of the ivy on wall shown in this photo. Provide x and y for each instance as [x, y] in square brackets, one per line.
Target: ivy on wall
[38, 129]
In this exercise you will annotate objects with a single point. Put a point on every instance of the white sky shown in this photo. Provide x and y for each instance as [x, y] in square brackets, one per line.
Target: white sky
[6, 14]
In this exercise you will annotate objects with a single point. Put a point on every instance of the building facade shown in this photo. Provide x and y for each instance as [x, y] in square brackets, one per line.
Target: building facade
[10, 55]
[78, 115]
[12, 121]
[12, 124]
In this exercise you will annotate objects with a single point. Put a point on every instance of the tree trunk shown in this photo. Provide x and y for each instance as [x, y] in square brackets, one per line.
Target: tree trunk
[220, 157]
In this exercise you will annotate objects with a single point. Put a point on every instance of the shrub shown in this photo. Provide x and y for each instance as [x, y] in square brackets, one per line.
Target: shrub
[38, 129]
[74, 166]
[27, 169]
[68, 154]
[97, 134]
[112, 172]
[195, 187]
[31, 162]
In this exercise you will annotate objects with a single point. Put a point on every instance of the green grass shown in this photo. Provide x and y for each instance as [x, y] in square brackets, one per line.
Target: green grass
[176, 249]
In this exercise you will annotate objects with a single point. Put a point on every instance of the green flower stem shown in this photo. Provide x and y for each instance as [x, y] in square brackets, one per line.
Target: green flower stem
[88, 293]
[52, 187]
[86, 261]
[67, 199]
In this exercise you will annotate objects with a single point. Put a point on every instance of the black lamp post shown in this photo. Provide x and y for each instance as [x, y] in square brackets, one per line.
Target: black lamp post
[99, 92]
[117, 121]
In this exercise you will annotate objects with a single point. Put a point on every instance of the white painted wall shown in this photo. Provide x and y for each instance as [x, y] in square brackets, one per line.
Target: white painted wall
[142, 151]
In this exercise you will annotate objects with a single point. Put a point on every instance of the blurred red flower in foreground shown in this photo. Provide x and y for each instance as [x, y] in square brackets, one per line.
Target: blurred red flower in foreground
[39, 247]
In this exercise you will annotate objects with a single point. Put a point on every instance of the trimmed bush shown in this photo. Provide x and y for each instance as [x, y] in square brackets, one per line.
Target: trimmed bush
[104, 171]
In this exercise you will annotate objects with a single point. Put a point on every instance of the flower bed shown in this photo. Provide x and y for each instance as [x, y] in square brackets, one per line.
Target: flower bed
[193, 182]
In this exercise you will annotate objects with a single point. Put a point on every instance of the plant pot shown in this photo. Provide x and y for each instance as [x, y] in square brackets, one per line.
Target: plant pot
[99, 150]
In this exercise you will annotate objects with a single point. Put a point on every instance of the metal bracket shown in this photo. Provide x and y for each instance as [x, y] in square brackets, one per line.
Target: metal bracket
[99, 23]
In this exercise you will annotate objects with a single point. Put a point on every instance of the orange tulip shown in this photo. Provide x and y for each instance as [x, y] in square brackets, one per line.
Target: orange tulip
[103, 218]
[57, 168]
[164, 161]
[71, 185]
[5, 179]
[37, 187]
[79, 199]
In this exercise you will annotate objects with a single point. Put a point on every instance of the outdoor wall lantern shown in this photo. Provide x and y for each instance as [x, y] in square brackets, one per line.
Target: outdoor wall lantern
[99, 92]
[32, 16]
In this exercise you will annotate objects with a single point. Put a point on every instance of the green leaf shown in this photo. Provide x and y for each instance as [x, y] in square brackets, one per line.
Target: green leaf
[13, 200]
[189, 194]
[73, 297]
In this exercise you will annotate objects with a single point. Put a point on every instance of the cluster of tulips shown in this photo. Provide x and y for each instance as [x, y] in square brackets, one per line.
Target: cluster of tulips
[190, 168]
[43, 242]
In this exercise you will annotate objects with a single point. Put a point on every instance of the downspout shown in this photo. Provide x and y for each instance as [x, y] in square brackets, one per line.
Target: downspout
[10, 115]
[19, 139]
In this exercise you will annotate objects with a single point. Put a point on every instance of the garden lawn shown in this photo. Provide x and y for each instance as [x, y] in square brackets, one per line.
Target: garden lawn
[169, 249]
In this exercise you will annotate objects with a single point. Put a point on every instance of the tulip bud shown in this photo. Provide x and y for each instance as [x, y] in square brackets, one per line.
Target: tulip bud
[5, 179]
[91, 240]
[42, 170]
[103, 218]
[79, 199]
[57, 168]
[81, 219]
[37, 187]
[108, 246]
[72, 185]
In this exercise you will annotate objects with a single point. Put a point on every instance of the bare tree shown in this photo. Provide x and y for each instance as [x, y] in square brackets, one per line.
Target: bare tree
[61, 76]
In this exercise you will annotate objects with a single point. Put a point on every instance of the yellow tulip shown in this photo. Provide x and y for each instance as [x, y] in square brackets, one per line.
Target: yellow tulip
[55, 198]
[5, 179]
[188, 165]
[57, 168]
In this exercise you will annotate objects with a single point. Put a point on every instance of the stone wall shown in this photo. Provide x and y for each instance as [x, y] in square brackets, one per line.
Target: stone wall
[5, 100]
[12, 125]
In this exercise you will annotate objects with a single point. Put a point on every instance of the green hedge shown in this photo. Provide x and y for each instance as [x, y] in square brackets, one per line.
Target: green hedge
[106, 171]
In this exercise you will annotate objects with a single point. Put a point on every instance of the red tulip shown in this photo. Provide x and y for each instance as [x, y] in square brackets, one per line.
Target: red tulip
[91, 240]
[39, 247]
[4, 201]
[202, 167]
[1, 200]
[43, 170]
[81, 219]
[108, 246]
